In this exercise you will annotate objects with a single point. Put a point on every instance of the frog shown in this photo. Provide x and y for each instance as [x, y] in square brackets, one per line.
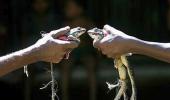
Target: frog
[122, 66]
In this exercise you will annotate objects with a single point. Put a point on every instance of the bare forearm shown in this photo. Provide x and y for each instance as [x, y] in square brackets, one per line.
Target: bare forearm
[17, 60]
[156, 50]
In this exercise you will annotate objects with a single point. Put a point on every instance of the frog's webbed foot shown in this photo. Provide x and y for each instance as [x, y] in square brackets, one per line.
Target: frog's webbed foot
[112, 86]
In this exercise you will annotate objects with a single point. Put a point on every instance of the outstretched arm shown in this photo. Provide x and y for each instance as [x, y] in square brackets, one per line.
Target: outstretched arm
[18, 59]
[118, 43]
[156, 50]
[47, 49]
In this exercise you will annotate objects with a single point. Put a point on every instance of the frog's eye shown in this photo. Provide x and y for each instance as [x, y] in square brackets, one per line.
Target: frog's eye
[95, 29]
[78, 28]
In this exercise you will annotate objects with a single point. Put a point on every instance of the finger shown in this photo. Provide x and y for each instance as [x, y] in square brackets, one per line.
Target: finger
[70, 45]
[109, 28]
[66, 44]
[60, 32]
[106, 40]
[102, 44]
[72, 38]
[96, 44]
[112, 30]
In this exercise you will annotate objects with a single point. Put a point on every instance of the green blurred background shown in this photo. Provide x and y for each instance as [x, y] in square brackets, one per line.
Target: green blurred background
[84, 74]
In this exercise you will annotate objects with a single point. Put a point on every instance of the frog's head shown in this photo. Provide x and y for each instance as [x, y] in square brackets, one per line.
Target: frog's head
[96, 33]
[77, 32]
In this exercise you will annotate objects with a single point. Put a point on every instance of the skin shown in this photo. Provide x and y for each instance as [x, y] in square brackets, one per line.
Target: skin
[118, 43]
[48, 49]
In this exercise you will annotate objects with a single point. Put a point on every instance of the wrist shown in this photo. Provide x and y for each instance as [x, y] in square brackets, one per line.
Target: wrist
[35, 52]
[136, 45]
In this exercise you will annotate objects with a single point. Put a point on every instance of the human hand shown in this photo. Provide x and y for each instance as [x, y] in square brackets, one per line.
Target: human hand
[51, 49]
[115, 43]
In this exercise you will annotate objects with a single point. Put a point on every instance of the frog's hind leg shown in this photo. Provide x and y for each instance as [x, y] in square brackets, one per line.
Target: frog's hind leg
[133, 96]
[131, 77]
[121, 91]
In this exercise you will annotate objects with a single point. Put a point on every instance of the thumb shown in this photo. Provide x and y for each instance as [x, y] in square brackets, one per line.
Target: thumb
[59, 32]
[110, 29]
[107, 28]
